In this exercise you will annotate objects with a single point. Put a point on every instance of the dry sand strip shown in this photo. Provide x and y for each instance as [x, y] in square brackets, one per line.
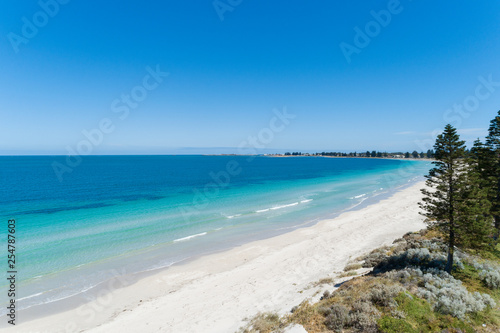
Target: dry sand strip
[216, 292]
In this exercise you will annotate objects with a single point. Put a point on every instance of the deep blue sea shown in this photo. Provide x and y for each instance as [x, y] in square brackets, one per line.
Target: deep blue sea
[138, 213]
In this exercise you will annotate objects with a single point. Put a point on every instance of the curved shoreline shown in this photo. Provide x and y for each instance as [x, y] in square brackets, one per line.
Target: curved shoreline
[117, 275]
[213, 293]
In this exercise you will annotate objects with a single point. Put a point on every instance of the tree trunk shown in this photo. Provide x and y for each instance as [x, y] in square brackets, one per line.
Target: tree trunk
[451, 249]
[451, 221]
[496, 216]
[496, 208]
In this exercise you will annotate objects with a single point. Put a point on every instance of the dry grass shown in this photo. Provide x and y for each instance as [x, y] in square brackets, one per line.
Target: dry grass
[265, 323]
[346, 274]
[321, 282]
[352, 267]
[308, 316]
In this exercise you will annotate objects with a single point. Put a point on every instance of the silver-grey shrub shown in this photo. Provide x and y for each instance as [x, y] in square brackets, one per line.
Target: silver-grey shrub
[407, 276]
[363, 316]
[488, 273]
[434, 245]
[490, 278]
[374, 258]
[416, 257]
[384, 295]
[337, 317]
[448, 296]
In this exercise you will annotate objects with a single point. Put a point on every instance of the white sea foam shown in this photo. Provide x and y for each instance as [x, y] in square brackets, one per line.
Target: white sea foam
[160, 266]
[189, 237]
[358, 196]
[30, 296]
[233, 216]
[54, 298]
[285, 206]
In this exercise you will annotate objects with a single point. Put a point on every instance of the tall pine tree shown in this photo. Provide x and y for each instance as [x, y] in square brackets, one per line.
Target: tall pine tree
[455, 204]
[474, 221]
[493, 144]
[481, 159]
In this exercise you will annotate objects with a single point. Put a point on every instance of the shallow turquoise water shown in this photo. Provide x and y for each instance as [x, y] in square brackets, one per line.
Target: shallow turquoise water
[138, 213]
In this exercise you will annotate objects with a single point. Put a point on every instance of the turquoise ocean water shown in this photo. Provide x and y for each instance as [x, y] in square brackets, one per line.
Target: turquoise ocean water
[139, 213]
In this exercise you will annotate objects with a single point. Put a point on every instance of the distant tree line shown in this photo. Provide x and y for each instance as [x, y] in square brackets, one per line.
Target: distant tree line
[373, 153]
[463, 201]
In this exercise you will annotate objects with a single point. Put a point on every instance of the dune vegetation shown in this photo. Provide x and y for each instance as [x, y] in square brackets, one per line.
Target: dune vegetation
[445, 278]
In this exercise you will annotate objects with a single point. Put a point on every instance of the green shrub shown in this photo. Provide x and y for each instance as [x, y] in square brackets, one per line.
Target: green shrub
[416, 309]
[392, 325]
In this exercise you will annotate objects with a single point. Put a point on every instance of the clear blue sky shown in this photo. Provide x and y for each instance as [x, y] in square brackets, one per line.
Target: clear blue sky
[227, 76]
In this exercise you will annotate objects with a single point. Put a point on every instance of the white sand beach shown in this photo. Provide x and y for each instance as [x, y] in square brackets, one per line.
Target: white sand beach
[215, 293]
